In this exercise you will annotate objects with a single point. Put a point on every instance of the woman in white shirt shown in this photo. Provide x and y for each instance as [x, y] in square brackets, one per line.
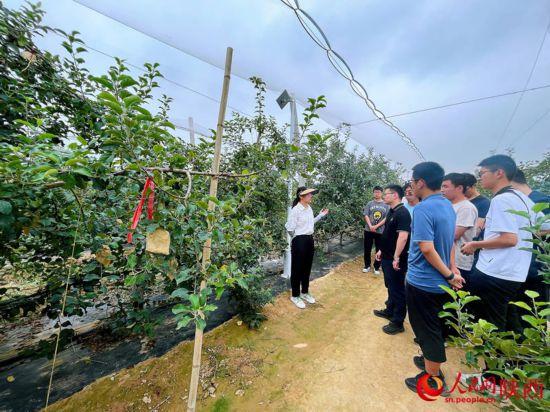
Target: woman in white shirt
[300, 223]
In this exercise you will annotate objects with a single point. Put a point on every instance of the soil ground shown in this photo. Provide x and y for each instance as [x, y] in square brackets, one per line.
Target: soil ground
[331, 356]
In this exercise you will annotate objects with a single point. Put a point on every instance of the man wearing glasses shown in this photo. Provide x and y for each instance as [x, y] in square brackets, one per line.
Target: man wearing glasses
[503, 259]
[393, 253]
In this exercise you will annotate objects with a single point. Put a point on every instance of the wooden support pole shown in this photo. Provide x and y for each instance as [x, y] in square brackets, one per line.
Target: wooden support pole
[197, 351]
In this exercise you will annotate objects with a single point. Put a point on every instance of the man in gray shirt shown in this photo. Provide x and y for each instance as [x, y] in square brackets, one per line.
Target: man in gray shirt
[375, 216]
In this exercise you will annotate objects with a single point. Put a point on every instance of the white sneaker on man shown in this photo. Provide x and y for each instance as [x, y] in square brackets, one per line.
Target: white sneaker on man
[298, 302]
[377, 272]
[307, 297]
[366, 270]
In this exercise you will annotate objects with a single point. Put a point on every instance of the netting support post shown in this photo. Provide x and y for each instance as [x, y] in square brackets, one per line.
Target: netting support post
[197, 350]
[191, 132]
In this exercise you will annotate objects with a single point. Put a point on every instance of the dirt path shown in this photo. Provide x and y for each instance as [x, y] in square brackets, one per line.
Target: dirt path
[330, 357]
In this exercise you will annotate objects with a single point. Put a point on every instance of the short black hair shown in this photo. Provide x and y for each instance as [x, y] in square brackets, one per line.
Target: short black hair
[431, 172]
[504, 162]
[457, 179]
[396, 189]
[469, 180]
[407, 186]
[519, 177]
[377, 188]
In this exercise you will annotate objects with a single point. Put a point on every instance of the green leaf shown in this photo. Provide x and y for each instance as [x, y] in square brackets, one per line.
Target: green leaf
[131, 100]
[194, 299]
[82, 171]
[449, 291]
[539, 207]
[51, 172]
[90, 277]
[180, 293]
[180, 308]
[451, 305]
[104, 81]
[522, 305]
[126, 81]
[469, 299]
[544, 313]
[200, 322]
[184, 322]
[115, 106]
[107, 96]
[533, 321]
[5, 207]
[532, 294]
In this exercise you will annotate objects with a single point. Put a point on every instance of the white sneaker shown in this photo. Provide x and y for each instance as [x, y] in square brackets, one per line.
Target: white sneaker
[298, 302]
[377, 272]
[366, 270]
[307, 297]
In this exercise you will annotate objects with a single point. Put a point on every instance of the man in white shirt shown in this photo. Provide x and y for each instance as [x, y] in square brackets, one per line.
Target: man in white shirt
[453, 188]
[503, 264]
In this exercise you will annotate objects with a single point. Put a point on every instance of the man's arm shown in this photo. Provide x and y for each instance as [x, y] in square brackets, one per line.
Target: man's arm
[459, 231]
[433, 258]
[400, 245]
[502, 241]
[480, 225]
[382, 222]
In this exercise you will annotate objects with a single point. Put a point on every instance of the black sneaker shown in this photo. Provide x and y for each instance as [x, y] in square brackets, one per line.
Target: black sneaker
[382, 314]
[419, 362]
[432, 383]
[393, 328]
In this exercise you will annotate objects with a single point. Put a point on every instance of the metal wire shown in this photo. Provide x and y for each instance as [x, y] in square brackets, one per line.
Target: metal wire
[534, 65]
[444, 106]
[315, 32]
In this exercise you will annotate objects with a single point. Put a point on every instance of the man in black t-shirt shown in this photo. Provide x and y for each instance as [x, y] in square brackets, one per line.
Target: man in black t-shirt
[393, 254]
[479, 201]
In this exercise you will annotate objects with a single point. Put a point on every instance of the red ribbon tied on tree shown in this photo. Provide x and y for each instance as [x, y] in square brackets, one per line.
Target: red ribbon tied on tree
[148, 191]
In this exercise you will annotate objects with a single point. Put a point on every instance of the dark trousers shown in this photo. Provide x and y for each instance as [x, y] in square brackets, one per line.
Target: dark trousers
[466, 274]
[368, 240]
[396, 304]
[430, 330]
[495, 295]
[301, 250]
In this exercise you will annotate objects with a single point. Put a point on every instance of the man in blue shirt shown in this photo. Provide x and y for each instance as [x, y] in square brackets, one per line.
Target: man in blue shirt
[431, 265]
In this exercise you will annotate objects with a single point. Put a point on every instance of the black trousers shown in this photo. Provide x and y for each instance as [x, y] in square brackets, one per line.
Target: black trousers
[301, 250]
[368, 240]
[395, 282]
[466, 274]
[495, 294]
[428, 327]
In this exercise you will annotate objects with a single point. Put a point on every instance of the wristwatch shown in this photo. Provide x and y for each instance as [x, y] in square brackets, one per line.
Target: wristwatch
[450, 277]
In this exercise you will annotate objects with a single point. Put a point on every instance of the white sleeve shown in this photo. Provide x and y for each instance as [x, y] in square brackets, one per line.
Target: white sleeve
[292, 221]
[318, 217]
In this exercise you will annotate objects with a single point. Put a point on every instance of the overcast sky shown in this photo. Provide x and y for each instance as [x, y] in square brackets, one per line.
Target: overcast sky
[409, 55]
